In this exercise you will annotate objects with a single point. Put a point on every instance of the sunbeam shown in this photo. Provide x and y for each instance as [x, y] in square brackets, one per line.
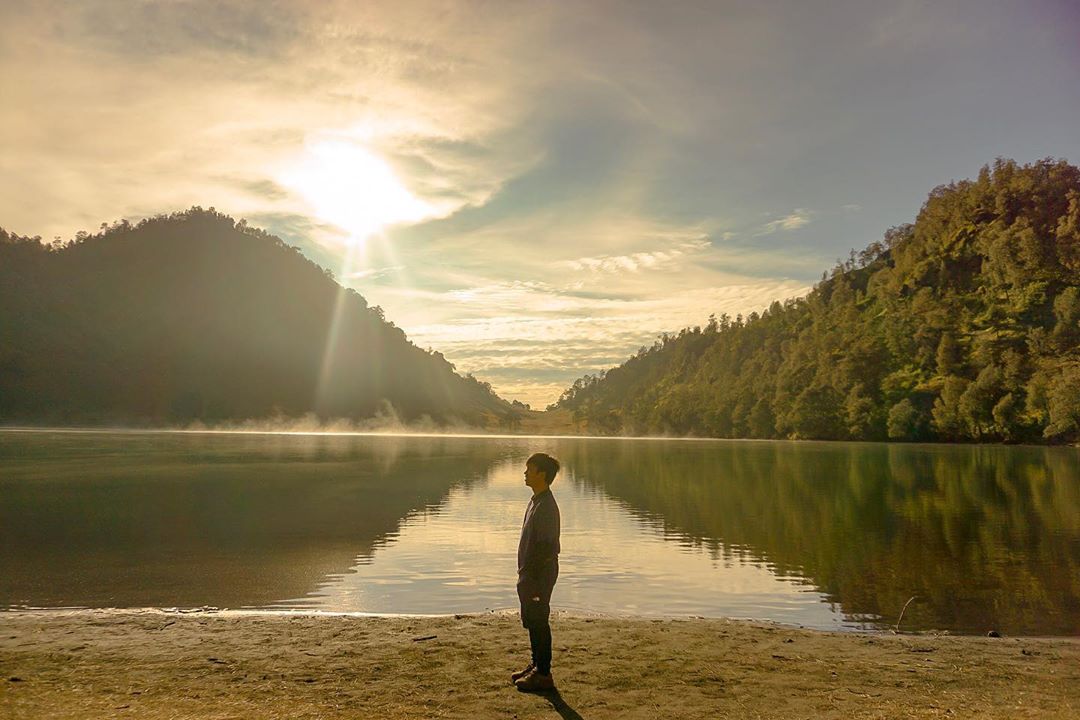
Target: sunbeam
[322, 394]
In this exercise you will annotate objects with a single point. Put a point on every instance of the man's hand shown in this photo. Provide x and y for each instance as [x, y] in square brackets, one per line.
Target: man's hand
[536, 599]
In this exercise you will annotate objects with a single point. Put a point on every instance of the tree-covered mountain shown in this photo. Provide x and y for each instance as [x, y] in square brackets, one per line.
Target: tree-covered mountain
[964, 326]
[195, 317]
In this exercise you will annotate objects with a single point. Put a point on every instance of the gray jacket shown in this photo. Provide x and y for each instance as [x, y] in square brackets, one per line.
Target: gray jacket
[538, 549]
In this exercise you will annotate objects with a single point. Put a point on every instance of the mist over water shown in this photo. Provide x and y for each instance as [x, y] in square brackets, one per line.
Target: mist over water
[828, 535]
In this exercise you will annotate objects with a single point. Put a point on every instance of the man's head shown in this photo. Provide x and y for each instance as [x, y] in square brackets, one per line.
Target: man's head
[540, 471]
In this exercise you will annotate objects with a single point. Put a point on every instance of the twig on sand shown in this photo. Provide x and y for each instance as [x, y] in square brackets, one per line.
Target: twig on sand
[425, 637]
[897, 630]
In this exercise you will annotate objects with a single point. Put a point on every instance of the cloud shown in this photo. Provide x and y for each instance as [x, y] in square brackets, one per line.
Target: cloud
[799, 217]
[141, 108]
[372, 273]
[531, 339]
[147, 29]
[636, 262]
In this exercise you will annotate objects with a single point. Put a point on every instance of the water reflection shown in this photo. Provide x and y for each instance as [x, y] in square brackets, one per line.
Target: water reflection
[461, 558]
[190, 520]
[825, 535]
[986, 537]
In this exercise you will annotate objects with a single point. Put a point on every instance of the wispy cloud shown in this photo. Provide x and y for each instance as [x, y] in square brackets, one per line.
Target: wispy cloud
[636, 262]
[799, 217]
[372, 273]
[515, 334]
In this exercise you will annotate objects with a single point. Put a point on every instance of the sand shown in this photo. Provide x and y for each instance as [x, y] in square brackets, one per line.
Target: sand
[156, 664]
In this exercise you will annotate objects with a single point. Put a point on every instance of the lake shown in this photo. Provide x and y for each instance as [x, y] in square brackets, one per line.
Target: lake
[824, 535]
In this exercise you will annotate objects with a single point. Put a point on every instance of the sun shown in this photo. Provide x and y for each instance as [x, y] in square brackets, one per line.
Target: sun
[347, 185]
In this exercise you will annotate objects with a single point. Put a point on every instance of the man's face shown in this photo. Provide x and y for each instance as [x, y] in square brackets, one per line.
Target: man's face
[534, 478]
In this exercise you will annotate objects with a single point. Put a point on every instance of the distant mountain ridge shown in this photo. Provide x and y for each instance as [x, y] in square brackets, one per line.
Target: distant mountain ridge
[196, 317]
[964, 326]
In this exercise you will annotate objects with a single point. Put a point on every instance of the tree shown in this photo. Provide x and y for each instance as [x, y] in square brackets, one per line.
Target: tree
[948, 418]
[762, 422]
[906, 422]
[860, 414]
[1063, 403]
[1066, 331]
[948, 355]
[976, 405]
[814, 414]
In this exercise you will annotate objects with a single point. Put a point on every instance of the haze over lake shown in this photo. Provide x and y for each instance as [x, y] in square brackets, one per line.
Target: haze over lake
[827, 535]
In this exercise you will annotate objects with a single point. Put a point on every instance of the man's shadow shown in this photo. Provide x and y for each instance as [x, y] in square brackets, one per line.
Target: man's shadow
[560, 706]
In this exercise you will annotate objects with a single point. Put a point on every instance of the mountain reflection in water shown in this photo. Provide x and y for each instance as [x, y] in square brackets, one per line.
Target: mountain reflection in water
[821, 534]
[984, 537]
[133, 519]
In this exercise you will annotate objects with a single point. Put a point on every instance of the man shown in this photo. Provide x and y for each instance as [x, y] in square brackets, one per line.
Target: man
[538, 568]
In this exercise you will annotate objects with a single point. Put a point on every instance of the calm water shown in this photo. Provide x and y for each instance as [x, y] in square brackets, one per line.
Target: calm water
[824, 535]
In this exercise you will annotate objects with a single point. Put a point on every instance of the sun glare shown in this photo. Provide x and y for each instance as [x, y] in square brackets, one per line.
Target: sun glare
[349, 186]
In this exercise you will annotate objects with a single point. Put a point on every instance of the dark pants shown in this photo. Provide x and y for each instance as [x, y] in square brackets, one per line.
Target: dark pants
[535, 615]
[540, 641]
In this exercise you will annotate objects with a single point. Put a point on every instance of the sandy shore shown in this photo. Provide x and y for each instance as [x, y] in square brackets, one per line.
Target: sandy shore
[154, 664]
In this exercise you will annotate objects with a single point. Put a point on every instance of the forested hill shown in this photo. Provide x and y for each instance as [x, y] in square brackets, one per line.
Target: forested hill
[194, 317]
[964, 326]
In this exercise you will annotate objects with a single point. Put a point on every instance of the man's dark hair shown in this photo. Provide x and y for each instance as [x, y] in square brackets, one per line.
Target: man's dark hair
[545, 464]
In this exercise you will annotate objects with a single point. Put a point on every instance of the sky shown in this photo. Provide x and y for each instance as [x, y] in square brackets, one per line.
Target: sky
[534, 189]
